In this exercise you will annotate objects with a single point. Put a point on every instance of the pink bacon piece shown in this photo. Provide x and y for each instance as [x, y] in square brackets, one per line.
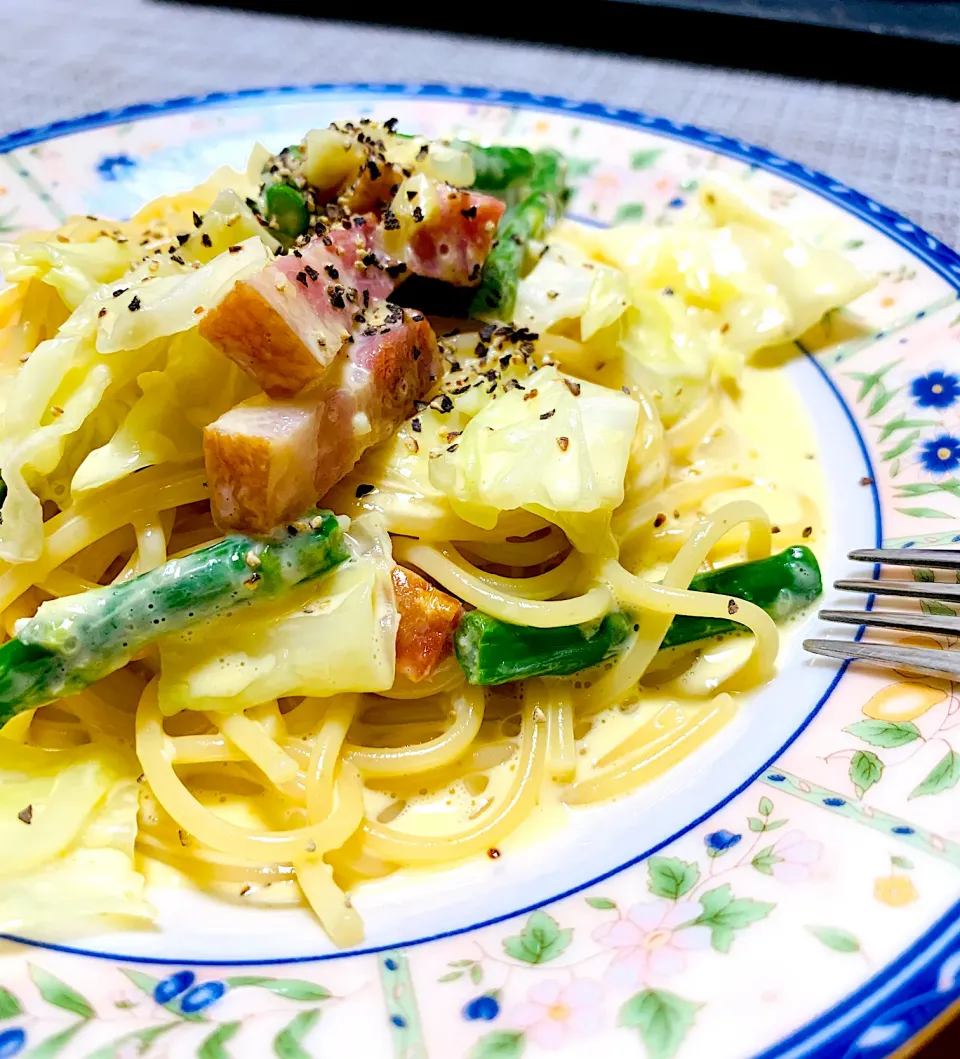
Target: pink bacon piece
[269, 460]
[285, 325]
[454, 244]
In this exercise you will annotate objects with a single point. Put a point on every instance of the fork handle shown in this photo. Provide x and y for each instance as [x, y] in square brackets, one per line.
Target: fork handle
[936, 558]
[929, 662]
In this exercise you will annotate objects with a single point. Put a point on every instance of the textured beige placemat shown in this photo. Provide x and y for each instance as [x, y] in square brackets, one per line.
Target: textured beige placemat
[60, 58]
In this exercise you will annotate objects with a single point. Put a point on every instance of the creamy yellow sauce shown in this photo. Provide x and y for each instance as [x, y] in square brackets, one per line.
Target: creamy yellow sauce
[767, 436]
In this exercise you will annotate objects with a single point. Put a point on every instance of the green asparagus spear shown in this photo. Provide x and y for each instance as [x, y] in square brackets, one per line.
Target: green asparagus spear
[287, 206]
[75, 640]
[529, 220]
[494, 652]
[491, 651]
[781, 585]
[498, 168]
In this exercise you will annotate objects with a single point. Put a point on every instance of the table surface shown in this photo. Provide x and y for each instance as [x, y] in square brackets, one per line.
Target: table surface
[61, 58]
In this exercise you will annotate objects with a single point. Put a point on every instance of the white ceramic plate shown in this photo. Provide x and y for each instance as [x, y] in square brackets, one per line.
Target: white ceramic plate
[788, 890]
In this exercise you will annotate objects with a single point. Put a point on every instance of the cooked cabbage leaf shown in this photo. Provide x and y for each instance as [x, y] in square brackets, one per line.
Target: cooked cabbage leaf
[557, 448]
[693, 299]
[331, 635]
[74, 860]
[127, 352]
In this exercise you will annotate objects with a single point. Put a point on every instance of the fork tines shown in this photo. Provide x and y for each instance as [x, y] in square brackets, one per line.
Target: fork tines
[928, 661]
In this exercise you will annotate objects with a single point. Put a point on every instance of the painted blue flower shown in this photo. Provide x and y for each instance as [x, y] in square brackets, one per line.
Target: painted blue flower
[676, 203]
[936, 390]
[484, 1008]
[202, 996]
[12, 1042]
[115, 166]
[718, 842]
[172, 986]
[941, 455]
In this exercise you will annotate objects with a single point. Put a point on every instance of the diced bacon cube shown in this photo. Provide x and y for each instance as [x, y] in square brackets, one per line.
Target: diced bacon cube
[428, 620]
[285, 324]
[261, 458]
[453, 245]
[269, 460]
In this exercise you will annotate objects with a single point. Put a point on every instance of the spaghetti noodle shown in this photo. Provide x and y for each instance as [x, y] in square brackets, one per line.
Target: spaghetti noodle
[352, 766]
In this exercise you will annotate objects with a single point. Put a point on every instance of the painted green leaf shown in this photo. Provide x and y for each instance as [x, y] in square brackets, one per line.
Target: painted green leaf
[934, 606]
[721, 938]
[288, 1043]
[900, 422]
[772, 825]
[54, 1045]
[451, 976]
[291, 988]
[671, 877]
[836, 939]
[578, 168]
[871, 380]
[58, 993]
[885, 733]
[476, 974]
[894, 468]
[922, 574]
[765, 808]
[723, 914]
[540, 941]
[502, 1044]
[663, 1019]
[9, 1005]
[942, 776]
[6, 221]
[462, 963]
[881, 400]
[602, 903]
[923, 512]
[865, 770]
[902, 862]
[944, 485]
[214, 1047]
[902, 445]
[147, 984]
[645, 159]
[765, 860]
[853, 244]
[756, 824]
[144, 1038]
[629, 211]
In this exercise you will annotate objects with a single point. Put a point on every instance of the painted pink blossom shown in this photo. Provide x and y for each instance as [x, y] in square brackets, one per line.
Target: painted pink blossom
[797, 854]
[553, 1013]
[651, 940]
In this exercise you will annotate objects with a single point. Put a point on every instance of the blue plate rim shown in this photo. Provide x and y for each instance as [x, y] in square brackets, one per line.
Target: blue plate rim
[906, 978]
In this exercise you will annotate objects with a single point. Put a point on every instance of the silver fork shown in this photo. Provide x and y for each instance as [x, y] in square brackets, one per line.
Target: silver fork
[928, 661]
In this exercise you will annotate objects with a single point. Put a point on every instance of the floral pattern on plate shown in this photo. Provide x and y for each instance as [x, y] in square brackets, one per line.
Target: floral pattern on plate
[837, 866]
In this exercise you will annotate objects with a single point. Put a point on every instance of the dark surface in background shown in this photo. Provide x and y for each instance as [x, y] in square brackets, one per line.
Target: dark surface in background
[936, 20]
[770, 44]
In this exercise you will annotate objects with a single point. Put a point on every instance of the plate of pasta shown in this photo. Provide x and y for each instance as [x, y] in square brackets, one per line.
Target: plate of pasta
[413, 501]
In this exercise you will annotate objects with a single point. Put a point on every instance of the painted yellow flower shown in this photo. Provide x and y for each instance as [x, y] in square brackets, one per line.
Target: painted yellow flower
[895, 890]
[903, 702]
